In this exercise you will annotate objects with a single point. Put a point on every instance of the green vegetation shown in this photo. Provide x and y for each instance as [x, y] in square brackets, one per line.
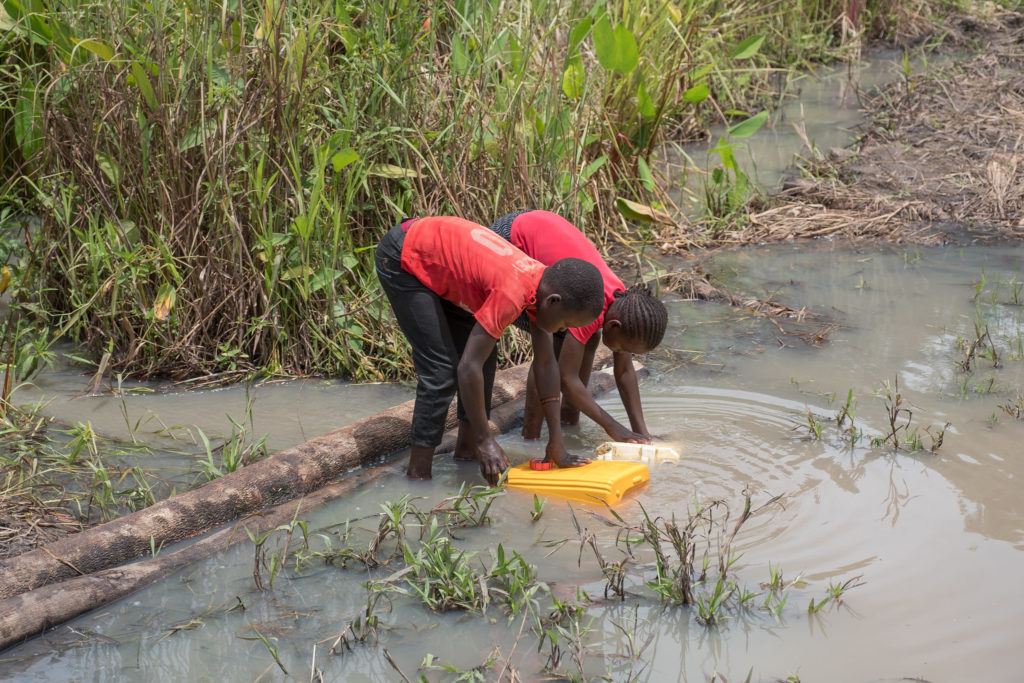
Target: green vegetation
[684, 562]
[196, 187]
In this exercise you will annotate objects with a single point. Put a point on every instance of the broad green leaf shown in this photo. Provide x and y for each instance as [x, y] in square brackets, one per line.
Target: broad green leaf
[391, 171]
[616, 47]
[302, 226]
[339, 311]
[586, 201]
[646, 177]
[744, 129]
[219, 76]
[724, 149]
[343, 158]
[278, 239]
[459, 57]
[748, 48]
[109, 168]
[604, 43]
[642, 213]
[349, 261]
[572, 80]
[515, 54]
[644, 103]
[697, 93]
[98, 48]
[7, 22]
[323, 278]
[26, 120]
[578, 33]
[628, 51]
[592, 168]
[700, 72]
[144, 85]
[296, 272]
[196, 135]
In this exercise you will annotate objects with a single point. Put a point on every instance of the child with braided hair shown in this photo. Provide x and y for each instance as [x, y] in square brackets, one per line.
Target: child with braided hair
[454, 286]
[633, 321]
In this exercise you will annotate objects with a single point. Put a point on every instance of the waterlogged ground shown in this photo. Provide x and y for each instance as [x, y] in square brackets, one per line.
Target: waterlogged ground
[820, 110]
[936, 539]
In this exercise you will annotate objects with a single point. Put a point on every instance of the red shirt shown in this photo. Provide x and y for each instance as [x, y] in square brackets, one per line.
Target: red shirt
[473, 268]
[548, 237]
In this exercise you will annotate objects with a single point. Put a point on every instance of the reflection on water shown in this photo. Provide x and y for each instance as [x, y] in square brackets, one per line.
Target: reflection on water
[821, 109]
[937, 538]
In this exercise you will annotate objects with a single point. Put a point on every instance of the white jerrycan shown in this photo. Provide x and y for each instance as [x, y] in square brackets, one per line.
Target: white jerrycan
[650, 454]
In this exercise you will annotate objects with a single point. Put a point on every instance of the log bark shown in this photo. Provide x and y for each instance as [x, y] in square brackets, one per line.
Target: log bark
[32, 612]
[27, 614]
[281, 477]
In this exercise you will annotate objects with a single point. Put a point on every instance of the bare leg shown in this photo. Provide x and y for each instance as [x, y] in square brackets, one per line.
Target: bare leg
[465, 448]
[533, 416]
[421, 461]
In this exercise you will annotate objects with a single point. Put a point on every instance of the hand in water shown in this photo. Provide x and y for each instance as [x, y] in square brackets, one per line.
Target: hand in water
[623, 435]
[493, 460]
[563, 458]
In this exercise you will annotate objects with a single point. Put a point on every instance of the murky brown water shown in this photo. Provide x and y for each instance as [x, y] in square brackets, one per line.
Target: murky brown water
[937, 538]
[821, 110]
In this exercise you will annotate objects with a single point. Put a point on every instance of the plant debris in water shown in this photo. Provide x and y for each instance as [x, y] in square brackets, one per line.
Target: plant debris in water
[685, 561]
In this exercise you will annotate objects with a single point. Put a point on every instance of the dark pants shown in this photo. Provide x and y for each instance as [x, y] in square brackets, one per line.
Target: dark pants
[437, 330]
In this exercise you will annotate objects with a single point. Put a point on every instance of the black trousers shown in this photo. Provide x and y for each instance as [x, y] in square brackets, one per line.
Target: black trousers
[437, 330]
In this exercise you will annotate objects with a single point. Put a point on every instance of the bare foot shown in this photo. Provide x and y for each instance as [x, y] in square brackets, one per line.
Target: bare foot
[468, 454]
[412, 474]
[421, 461]
[531, 432]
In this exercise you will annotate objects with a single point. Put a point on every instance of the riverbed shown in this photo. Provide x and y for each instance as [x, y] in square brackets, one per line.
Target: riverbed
[936, 538]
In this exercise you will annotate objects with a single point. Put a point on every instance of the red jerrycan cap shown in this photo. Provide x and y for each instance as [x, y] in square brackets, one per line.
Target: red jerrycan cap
[540, 464]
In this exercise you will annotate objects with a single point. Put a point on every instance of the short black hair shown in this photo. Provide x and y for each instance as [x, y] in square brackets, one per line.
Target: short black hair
[642, 316]
[579, 283]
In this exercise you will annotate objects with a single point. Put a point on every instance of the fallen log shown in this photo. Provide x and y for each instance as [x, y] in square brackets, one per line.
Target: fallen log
[283, 476]
[32, 612]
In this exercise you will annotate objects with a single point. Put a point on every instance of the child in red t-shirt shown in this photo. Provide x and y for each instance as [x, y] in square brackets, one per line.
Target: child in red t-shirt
[454, 287]
[632, 321]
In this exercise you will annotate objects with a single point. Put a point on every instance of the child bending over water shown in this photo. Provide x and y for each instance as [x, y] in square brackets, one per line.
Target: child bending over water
[454, 287]
[631, 321]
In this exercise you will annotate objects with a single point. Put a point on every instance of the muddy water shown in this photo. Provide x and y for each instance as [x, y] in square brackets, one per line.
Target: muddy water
[157, 427]
[938, 539]
[819, 110]
[287, 412]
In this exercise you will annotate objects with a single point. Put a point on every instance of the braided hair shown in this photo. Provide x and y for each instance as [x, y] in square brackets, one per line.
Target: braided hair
[643, 317]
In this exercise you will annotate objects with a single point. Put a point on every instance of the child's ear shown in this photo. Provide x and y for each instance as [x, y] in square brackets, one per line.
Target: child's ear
[553, 299]
[612, 323]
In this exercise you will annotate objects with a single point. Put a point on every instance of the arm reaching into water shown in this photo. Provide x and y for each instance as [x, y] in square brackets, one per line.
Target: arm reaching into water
[629, 391]
[493, 460]
[570, 363]
[545, 369]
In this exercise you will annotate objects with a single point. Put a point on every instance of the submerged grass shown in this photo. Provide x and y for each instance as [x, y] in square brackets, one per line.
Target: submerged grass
[686, 562]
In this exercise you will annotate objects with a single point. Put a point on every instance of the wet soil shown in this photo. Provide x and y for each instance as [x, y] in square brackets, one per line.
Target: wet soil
[940, 158]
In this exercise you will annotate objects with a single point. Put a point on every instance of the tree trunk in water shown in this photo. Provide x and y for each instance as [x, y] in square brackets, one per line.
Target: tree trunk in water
[281, 477]
[29, 613]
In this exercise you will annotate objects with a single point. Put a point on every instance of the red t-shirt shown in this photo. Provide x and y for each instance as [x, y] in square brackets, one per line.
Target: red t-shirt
[473, 268]
[548, 237]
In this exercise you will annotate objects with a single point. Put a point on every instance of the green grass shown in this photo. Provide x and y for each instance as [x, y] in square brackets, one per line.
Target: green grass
[208, 179]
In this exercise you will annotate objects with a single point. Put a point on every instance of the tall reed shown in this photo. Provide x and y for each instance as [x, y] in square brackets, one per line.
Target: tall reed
[212, 175]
